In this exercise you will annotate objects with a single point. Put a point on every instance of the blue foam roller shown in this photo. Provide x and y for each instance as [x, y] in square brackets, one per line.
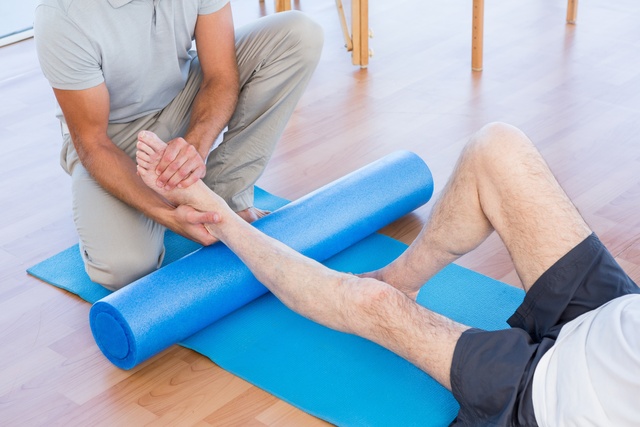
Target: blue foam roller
[178, 300]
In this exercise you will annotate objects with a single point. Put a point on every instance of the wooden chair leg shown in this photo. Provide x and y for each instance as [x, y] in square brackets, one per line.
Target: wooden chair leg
[360, 32]
[477, 35]
[572, 11]
[345, 28]
[477, 30]
[282, 5]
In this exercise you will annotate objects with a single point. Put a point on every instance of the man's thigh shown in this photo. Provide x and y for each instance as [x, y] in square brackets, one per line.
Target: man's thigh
[524, 202]
[118, 244]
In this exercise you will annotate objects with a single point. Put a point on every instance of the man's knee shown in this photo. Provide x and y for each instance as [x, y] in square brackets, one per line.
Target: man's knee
[497, 136]
[498, 145]
[304, 35]
[120, 268]
[370, 305]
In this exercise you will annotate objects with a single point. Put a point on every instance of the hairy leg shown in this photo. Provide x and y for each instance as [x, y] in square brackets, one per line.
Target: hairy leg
[500, 183]
[362, 306]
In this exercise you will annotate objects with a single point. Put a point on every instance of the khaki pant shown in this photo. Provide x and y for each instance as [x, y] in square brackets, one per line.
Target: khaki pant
[276, 57]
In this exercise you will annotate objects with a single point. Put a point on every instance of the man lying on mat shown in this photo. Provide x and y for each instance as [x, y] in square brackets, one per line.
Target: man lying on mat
[120, 66]
[572, 356]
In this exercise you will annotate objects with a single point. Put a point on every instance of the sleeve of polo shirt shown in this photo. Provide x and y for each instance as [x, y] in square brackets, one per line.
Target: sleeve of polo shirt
[67, 57]
[209, 6]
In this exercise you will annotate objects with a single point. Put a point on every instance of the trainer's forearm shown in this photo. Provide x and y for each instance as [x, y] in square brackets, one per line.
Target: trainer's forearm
[116, 173]
[212, 109]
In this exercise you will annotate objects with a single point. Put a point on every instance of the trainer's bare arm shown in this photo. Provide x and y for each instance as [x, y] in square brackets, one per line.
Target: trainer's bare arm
[183, 162]
[87, 115]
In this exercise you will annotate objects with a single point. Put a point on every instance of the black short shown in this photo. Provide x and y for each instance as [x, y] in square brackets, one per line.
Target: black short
[492, 371]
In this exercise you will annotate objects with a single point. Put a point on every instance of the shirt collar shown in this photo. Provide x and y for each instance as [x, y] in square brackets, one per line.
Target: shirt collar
[119, 3]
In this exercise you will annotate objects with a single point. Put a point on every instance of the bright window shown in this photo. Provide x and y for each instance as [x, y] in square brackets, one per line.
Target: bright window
[16, 20]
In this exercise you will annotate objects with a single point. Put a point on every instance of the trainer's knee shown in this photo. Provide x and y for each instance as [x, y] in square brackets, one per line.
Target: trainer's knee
[119, 269]
[304, 35]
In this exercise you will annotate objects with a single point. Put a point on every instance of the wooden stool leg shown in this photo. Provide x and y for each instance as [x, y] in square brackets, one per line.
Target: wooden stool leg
[345, 28]
[477, 35]
[572, 11]
[360, 32]
[365, 52]
[282, 5]
[355, 31]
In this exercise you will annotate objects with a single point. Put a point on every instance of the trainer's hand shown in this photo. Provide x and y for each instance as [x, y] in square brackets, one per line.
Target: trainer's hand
[190, 222]
[180, 166]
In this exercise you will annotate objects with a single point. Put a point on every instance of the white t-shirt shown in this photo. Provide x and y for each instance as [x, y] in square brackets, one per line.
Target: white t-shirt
[591, 376]
[141, 49]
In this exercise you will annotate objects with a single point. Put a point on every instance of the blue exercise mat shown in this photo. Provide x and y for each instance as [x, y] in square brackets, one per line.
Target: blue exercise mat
[341, 378]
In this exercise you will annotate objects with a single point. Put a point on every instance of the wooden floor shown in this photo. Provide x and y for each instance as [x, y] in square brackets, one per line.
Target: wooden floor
[575, 90]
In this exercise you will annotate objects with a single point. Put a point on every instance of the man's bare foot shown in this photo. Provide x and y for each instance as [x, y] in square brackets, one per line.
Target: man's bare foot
[252, 214]
[198, 195]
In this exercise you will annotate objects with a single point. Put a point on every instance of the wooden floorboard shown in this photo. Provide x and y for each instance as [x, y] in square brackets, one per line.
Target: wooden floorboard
[574, 89]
